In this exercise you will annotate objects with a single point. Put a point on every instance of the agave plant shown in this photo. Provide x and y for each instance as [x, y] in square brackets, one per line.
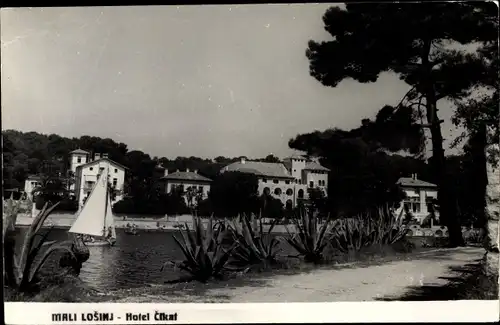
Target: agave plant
[204, 255]
[309, 241]
[254, 245]
[23, 274]
[352, 234]
[391, 227]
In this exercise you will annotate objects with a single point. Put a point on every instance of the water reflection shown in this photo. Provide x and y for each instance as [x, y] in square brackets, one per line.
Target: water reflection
[132, 262]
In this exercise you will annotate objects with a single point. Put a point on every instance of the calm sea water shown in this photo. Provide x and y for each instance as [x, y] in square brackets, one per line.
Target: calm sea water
[132, 262]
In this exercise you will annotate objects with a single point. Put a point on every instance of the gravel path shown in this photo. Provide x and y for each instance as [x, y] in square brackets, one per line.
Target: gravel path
[354, 283]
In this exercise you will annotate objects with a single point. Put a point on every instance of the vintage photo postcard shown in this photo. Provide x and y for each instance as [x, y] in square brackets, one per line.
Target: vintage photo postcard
[251, 163]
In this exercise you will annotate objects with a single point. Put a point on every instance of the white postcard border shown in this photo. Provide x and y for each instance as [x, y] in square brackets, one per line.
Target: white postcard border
[186, 313]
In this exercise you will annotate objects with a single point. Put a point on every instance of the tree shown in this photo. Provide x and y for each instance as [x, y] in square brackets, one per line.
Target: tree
[410, 40]
[362, 173]
[479, 117]
[270, 207]
[318, 201]
[234, 193]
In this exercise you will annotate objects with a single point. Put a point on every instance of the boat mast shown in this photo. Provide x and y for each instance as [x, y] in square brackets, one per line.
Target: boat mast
[106, 204]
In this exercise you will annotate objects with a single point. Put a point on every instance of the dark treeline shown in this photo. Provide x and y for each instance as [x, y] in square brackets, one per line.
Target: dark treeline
[32, 153]
[365, 165]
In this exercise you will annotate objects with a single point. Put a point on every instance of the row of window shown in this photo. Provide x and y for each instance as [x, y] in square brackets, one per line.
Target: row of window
[102, 168]
[91, 183]
[278, 191]
[297, 181]
[181, 187]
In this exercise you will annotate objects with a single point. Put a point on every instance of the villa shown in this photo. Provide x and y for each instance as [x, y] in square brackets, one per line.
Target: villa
[187, 181]
[287, 181]
[31, 182]
[87, 170]
[420, 195]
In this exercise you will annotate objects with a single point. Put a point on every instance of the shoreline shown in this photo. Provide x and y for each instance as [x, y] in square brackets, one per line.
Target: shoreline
[386, 277]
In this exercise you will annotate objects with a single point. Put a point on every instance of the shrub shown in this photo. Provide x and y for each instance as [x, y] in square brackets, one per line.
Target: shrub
[310, 241]
[23, 274]
[204, 255]
[381, 228]
[254, 245]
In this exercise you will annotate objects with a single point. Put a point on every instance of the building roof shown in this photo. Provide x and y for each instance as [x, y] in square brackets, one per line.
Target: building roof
[312, 165]
[186, 176]
[80, 151]
[296, 156]
[413, 182]
[34, 177]
[277, 170]
[101, 159]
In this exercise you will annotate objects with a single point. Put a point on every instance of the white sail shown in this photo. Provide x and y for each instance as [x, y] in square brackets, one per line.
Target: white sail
[90, 219]
[110, 220]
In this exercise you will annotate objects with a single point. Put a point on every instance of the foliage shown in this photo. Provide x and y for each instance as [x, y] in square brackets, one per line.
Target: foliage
[309, 241]
[28, 153]
[364, 175]
[23, 274]
[318, 201]
[479, 113]
[379, 228]
[255, 246]
[205, 258]
[474, 236]
[234, 193]
[270, 207]
[413, 41]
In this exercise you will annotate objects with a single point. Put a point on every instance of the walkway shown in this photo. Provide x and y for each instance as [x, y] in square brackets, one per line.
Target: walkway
[337, 283]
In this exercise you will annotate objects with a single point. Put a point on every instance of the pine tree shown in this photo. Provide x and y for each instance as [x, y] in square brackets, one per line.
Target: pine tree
[413, 40]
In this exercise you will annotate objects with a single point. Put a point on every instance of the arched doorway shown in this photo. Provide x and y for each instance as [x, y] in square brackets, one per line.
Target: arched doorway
[300, 194]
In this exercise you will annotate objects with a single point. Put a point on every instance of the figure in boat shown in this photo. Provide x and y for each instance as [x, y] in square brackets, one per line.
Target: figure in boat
[131, 229]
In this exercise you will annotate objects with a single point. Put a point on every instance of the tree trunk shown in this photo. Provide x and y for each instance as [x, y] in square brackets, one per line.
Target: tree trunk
[446, 210]
[492, 208]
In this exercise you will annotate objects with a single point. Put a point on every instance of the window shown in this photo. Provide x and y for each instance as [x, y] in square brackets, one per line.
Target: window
[91, 168]
[311, 184]
[412, 204]
[115, 181]
[276, 181]
[289, 192]
[200, 188]
[116, 170]
[300, 194]
[277, 191]
[101, 169]
[264, 180]
[295, 170]
[267, 191]
[287, 182]
[78, 160]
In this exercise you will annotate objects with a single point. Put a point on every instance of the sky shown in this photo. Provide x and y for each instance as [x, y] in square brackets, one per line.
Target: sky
[206, 81]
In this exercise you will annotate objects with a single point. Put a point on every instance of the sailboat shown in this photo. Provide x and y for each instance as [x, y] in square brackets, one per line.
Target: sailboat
[95, 222]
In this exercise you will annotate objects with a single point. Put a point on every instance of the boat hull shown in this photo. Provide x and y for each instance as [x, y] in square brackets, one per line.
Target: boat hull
[99, 243]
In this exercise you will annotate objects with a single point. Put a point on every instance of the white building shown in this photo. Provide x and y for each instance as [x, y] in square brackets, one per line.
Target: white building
[32, 182]
[187, 181]
[420, 195]
[86, 174]
[287, 181]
